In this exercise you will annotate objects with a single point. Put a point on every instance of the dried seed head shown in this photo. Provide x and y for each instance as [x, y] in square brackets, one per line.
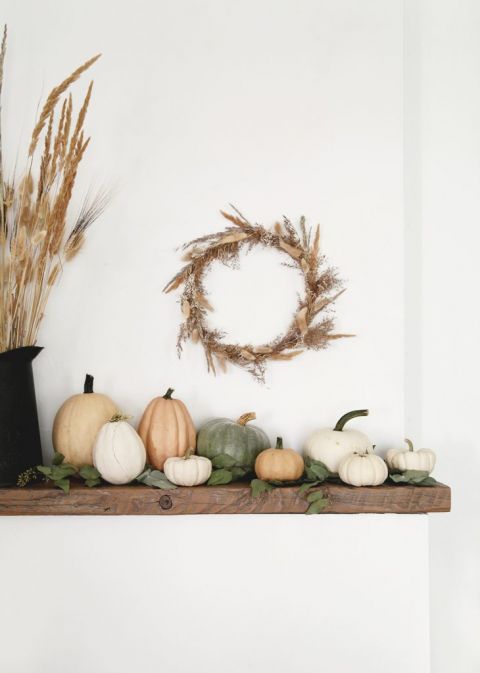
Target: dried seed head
[301, 320]
[73, 246]
[19, 244]
[296, 253]
[262, 350]
[38, 237]
[186, 308]
[53, 275]
[232, 238]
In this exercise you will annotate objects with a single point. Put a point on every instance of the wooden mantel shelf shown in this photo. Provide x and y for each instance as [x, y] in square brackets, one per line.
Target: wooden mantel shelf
[229, 499]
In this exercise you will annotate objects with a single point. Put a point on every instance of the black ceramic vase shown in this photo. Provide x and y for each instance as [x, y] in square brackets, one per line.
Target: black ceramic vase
[19, 432]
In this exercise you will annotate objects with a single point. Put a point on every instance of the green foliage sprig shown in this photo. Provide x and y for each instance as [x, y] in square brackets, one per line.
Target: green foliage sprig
[413, 477]
[315, 473]
[155, 478]
[318, 501]
[60, 474]
[225, 470]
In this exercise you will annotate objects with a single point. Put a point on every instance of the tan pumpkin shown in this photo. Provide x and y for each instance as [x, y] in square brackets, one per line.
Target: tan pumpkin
[78, 422]
[279, 464]
[167, 429]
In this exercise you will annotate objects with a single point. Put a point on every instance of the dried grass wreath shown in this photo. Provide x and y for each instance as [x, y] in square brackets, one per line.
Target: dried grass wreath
[303, 251]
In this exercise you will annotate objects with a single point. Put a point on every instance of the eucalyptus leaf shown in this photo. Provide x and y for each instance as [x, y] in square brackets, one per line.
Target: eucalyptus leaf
[220, 477]
[429, 481]
[64, 484]
[259, 486]
[92, 482]
[89, 472]
[316, 495]
[316, 470]
[144, 474]
[306, 486]
[45, 469]
[415, 475]
[58, 458]
[223, 460]
[317, 506]
[238, 473]
[156, 479]
[414, 478]
[62, 471]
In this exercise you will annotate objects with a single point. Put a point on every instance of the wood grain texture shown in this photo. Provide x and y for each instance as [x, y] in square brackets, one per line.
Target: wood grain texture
[229, 499]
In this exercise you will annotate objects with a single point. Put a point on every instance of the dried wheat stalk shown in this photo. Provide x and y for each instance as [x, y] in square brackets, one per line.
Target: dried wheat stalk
[224, 246]
[37, 237]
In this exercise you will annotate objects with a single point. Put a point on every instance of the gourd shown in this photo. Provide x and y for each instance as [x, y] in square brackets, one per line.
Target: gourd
[409, 459]
[363, 469]
[330, 446]
[235, 438]
[279, 464]
[77, 423]
[119, 454]
[188, 470]
[166, 429]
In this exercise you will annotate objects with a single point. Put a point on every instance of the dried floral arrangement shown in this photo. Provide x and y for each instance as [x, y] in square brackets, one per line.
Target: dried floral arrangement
[36, 235]
[305, 331]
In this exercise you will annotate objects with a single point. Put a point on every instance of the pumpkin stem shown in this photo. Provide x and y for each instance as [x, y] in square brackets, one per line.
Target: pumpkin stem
[348, 417]
[119, 417]
[188, 453]
[88, 385]
[245, 418]
[410, 444]
[279, 444]
[168, 394]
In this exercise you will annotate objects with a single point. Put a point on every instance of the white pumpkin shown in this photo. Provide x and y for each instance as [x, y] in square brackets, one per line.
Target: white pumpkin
[409, 459]
[119, 453]
[188, 470]
[331, 446]
[363, 469]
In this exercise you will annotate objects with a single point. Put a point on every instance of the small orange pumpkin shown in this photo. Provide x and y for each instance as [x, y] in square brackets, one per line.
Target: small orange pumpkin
[279, 464]
[166, 429]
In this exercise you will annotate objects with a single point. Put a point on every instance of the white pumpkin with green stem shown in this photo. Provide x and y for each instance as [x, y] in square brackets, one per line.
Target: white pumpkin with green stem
[188, 470]
[363, 469]
[331, 446]
[119, 453]
[408, 459]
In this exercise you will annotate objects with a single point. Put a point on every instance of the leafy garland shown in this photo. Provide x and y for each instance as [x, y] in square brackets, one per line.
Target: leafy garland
[225, 471]
[303, 251]
[317, 473]
[61, 473]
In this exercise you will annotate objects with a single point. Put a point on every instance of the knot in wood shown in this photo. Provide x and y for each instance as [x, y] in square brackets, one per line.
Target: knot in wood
[165, 502]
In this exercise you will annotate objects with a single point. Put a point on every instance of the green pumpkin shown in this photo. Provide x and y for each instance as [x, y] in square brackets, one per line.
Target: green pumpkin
[237, 439]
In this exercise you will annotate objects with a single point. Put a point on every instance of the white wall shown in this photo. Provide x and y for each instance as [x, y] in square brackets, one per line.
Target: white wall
[448, 70]
[214, 593]
[278, 107]
[282, 107]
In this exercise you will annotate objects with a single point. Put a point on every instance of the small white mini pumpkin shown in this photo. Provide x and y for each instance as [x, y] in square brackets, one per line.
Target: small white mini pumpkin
[363, 469]
[330, 446]
[409, 459]
[119, 453]
[188, 470]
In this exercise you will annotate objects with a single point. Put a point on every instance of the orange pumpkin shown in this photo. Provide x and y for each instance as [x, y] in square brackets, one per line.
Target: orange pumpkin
[167, 429]
[279, 464]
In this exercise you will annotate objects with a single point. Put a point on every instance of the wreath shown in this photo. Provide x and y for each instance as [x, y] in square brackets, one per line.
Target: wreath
[305, 331]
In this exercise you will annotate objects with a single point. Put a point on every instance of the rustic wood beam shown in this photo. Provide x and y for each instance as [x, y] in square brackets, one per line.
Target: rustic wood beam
[230, 499]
